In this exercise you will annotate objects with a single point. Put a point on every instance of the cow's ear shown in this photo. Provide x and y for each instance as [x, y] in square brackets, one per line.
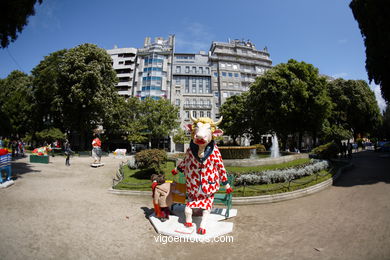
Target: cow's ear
[188, 127]
[217, 132]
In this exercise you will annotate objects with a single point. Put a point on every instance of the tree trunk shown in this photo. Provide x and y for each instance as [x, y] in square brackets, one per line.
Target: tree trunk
[299, 141]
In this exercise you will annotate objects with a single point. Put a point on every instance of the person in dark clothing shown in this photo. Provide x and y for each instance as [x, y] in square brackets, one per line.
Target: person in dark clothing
[349, 146]
[68, 152]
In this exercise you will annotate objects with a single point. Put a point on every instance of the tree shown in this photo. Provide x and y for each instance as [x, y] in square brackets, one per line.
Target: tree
[125, 120]
[160, 117]
[235, 116]
[15, 104]
[374, 24]
[180, 137]
[354, 107]
[47, 99]
[290, 98]
[13, 17]
[86, 90]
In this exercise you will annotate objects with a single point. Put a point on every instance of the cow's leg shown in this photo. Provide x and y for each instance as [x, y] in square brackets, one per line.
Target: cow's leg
[205, 216]
[188, 213]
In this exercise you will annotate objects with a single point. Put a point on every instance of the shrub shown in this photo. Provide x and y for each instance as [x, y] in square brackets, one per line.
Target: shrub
[327, 151]
[151, 159]
[236, 152]
[260, 148]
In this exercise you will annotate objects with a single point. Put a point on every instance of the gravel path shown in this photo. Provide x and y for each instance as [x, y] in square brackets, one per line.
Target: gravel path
[58, 212]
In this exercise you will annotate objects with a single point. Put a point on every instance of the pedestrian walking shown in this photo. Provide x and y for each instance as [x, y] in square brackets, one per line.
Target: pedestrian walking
[68, 152]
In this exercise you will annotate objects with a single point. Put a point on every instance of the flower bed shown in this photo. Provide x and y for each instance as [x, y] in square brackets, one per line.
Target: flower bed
[283, 175]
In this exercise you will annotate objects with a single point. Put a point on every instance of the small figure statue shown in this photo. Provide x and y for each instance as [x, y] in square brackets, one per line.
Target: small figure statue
[162, 197]
[203, 168]
[96, 150]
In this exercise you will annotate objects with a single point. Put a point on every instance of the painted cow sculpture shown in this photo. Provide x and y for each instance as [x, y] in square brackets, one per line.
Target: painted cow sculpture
[44, 150]
[203, 168]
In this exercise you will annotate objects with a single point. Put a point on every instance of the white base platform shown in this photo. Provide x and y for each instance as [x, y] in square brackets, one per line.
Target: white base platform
[175, 225]
[96, 165]
[6, 184]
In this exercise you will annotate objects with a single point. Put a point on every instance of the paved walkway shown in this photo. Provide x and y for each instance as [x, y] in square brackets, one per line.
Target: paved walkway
[58, 212]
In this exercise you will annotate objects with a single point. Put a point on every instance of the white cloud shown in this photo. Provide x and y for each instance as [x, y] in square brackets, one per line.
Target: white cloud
[194, 38]
[378, 96]
[340, 75]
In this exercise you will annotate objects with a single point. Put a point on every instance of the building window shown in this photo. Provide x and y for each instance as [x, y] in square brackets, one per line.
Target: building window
[208, 114]
[187, 69]
[187, 114]
[223, 74]
[235, 67]
[207, 70]
[177, 102]
[178, 69]
[194, 102]
[200, 85]
[201, 103]
[194, 114]
[121, 62]
[177, 92]
[236, 75]
[187, 86]
[193, 85]
[201, 114]
[193, 69]
[215, 74]
[208, 89]
[230, 75]
[222, 65]
[200, 70]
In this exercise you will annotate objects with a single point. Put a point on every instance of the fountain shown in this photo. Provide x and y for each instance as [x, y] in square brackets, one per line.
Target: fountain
[275, 147]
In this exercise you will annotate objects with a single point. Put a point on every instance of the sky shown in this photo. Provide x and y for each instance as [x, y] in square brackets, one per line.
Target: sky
[321, 32]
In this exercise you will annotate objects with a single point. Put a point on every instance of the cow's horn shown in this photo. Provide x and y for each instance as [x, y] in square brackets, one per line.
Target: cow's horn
[193, 119]
[219, 121]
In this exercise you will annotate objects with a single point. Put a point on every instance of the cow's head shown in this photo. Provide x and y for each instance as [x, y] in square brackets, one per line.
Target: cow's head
[203, 129]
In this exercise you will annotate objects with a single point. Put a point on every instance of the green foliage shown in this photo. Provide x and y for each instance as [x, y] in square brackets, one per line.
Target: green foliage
[87, 87]
[15, 104]
[235, 152]
[159, 117]
[235, 116]
[13, 17]
[50, 135]
[373, 19]
[180, 137]
[354, 107]
[289, 98]
[260, 148]
[327, 151]
[151, 159]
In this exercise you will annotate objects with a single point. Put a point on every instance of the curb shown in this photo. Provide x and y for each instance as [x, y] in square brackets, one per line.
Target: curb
[264, 199]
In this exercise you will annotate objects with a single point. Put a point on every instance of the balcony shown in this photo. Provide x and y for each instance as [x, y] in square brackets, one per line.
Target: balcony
[197, 106]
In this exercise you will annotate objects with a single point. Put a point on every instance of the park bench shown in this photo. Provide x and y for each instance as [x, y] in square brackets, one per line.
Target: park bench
[220, 197]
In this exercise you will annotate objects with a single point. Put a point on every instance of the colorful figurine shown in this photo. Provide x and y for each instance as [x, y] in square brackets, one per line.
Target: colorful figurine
[203, 168]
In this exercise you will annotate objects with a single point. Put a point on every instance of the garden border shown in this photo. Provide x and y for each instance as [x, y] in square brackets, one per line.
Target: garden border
[263, 199]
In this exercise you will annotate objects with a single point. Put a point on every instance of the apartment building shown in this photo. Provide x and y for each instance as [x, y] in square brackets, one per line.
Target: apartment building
[191, 90]
[154, 68]
[123, 62]
[234, 66]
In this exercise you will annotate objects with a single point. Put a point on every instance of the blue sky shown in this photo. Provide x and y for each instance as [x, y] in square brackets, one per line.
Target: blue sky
[321, 32]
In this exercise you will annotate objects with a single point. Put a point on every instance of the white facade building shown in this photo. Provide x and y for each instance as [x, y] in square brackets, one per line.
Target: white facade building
[123, 62]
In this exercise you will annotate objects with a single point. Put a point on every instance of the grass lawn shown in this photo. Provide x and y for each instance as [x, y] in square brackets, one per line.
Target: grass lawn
[140, 179]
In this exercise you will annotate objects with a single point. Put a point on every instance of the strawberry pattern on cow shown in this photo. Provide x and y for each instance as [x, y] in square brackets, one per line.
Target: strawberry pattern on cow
[203, 175]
